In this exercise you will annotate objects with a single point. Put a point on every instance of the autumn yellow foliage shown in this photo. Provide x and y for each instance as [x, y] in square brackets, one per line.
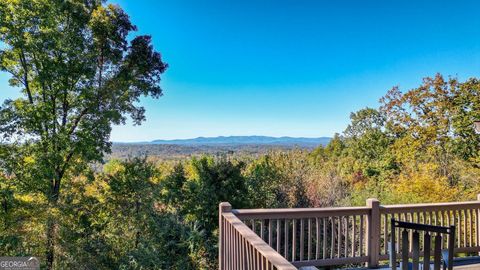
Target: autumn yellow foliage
[423, 185]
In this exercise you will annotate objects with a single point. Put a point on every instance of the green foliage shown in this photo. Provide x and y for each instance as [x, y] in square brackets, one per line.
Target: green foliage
[78, 75]
[194, 191]
[116, 223]
[264, 183]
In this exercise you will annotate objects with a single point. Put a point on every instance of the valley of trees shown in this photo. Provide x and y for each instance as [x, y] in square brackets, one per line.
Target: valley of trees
[179, 152]
[79, 75]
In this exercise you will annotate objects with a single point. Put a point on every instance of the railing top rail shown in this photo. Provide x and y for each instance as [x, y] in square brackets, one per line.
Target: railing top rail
[428, 207]
[286, 213]
[263, 248]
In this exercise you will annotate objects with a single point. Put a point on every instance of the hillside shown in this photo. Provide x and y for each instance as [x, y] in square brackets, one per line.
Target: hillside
[242, 145]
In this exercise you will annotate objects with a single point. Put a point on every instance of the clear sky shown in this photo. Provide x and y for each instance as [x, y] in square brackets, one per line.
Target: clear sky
[291, 67]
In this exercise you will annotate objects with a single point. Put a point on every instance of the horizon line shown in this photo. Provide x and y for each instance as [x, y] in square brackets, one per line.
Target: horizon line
[223, 136]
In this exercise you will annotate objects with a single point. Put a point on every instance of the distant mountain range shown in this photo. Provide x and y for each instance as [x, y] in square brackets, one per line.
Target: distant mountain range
[245, 140]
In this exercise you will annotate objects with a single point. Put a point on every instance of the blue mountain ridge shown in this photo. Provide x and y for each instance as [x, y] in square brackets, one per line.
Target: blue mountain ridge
[237, 140]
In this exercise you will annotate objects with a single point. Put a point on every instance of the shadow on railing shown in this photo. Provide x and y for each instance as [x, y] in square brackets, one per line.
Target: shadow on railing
[289, 238]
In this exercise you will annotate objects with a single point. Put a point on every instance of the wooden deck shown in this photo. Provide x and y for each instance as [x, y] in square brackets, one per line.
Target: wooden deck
[288, 239]
[468, 267]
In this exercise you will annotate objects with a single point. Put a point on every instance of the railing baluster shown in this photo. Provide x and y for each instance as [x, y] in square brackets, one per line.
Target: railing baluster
[441, 218]
[309, 242]
[243, 256]
[247, 251]
[477, 222]
[234, 250]
[221, 250]
[440, 214]
[317, 228]
[385, 233]
[339, 235]
[302, 238]
[354, 226]
[286, 232]
[470, 236]
[464, 228]
[422, 233]
[230, 246]
[345, 235]
[262, 228]
[239, 248]
[459, 229]
[410, 233]
[279, 236]
[361, 236]
[224, 247]
[294, 239]
[449, 220]
[233, 247]
[270, 235]
[425, 220]
[397, 217]
[324, 238]
[332, 241]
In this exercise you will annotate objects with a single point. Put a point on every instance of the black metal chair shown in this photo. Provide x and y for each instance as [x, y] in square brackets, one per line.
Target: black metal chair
[437, 251]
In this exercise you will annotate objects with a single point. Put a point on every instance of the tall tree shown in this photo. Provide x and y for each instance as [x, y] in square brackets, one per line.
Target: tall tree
[435, 120]
[79, 74]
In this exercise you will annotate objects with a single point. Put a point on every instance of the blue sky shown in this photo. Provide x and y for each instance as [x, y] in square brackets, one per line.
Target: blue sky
[289, 67]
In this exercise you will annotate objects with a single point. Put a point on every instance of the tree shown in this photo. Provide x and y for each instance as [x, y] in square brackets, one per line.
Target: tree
[144, 235]
[368, 144]
[264, 183]
[466, 106]
[79, 74]
[194, 192]
[363, 121]
[436, 119]
[132, 191]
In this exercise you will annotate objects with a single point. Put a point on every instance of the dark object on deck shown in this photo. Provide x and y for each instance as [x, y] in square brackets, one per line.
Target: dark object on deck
[429, 230]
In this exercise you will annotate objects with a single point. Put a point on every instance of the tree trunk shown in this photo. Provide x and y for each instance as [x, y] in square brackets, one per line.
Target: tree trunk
[51, 233]
[137, 211]
[52, 223]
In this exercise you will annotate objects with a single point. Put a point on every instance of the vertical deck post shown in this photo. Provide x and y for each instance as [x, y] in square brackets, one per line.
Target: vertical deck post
[478, 224]
[222, 208]
[373, 233]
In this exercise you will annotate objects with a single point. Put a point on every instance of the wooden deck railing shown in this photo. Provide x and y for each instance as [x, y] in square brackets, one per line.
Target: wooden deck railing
[289, 238]
[241, 248]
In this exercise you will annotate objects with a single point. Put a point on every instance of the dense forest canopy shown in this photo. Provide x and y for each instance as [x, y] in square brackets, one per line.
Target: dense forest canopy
[79, 74]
